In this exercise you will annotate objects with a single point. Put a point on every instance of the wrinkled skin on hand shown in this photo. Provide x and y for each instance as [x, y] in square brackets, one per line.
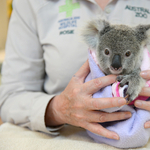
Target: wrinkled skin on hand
[76, 106]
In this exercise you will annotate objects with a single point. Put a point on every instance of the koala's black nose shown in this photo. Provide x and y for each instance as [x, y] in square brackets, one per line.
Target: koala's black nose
[116, 62]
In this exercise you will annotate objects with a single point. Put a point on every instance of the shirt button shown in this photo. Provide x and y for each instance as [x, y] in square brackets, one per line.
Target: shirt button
[108, 10]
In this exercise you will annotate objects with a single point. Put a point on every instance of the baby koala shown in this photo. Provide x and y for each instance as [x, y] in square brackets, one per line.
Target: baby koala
[119, 51]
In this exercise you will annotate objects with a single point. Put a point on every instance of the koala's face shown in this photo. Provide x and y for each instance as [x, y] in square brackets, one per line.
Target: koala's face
[118, 51]
[119, 48]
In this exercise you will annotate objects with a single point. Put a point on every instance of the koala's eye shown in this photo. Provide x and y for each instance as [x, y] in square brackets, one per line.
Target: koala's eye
[106, 51]
[128, 53]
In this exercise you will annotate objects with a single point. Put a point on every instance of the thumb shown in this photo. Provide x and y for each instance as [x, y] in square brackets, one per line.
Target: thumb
[83, 71]
[145, 74]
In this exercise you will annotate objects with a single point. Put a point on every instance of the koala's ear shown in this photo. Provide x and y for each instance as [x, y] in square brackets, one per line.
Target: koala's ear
[92, 30]
[142, 33]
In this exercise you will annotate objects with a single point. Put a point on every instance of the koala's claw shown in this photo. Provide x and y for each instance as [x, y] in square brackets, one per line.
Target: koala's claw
[135, 84]
[127, 99]
[128, 102]
[119, 78]
[123, 82]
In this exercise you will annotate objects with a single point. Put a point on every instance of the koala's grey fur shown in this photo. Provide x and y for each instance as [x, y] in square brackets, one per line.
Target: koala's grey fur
[118, 39]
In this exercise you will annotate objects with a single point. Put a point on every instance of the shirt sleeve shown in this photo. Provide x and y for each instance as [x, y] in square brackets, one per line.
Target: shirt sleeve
[22, 97]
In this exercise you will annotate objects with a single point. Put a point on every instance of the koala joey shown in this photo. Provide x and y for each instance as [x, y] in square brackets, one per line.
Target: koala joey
[119, 50]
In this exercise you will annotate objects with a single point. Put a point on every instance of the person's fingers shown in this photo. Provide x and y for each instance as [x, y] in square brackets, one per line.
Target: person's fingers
[98, 129]
[145, 74]
[96, 84]
[102, 103]
[98, 116]
[145, 91]
[147, 125]
[83, 71]
[142, 104]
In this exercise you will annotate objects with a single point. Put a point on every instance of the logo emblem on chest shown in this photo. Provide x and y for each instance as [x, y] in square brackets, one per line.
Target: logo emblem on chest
[139, 11]
[69, 7]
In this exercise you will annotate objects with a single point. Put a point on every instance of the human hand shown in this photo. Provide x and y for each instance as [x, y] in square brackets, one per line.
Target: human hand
[76, 106]
[145, 92]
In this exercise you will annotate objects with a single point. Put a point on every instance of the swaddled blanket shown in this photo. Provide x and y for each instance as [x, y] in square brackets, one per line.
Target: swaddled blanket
[131, 131]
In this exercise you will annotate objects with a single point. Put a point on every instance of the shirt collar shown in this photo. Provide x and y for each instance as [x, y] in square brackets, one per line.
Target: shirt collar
[93, 1]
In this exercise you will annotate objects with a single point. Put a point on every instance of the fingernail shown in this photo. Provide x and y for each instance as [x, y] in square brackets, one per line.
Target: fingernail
[147, 125]
[115, 137]
[121, 102]
[138, 103]
[128, 115]
[143, 74]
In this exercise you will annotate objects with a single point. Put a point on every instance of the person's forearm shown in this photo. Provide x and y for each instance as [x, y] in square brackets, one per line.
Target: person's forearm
[52, 116]
[26, 109]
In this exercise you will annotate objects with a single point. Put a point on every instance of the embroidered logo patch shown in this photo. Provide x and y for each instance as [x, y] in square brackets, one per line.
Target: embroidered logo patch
[67, 32]
[69, 7]
[68, 22]
[139, 11]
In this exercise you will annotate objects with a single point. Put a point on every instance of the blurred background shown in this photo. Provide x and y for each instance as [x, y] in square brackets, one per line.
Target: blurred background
[5, 14]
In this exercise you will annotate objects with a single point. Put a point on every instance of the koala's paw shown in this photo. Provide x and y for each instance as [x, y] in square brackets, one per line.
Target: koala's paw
[119, 78]
[135, 84]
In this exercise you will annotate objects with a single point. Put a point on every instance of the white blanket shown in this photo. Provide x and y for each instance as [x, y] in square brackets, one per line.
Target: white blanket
[13, 137]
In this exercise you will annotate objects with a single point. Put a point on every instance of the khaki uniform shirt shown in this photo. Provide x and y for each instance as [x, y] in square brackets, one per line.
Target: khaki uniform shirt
[43, 52]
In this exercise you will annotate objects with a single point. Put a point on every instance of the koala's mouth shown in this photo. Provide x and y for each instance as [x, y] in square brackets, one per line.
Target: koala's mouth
[115, 70]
